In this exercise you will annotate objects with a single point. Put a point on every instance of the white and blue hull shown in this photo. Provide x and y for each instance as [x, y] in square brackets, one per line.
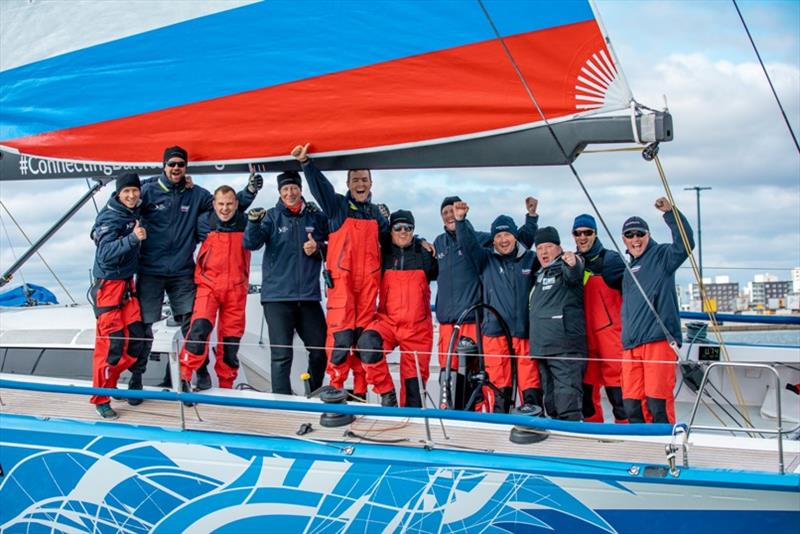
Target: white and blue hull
[70, 476]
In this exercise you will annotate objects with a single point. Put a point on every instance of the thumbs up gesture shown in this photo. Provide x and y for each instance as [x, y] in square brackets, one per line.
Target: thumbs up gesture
[310, 246]
[300, 152]
[139, 231]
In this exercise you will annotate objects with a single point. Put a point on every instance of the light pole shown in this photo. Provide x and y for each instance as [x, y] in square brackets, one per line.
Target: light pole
[697, 190]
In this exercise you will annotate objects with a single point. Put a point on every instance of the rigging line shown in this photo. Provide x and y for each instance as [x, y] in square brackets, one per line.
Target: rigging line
[704, 295]
[60, 283]
[670, 339]
[766, 74]
[96, 209]
[11, 247]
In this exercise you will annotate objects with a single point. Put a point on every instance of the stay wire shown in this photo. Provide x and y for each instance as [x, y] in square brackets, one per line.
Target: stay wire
[38, 253]
[766, 74]
[670, 339]
[11, 248]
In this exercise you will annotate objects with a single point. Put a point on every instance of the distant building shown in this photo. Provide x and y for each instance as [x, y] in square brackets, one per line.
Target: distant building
[762, 292]
[796, 280]
[722, 294]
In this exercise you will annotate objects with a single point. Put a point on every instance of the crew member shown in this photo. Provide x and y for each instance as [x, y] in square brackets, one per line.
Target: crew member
[506, 277]
[459, 287]
[222, 275]
[558, 328]
[119, 333]
[650, 341]
[354, 262]
[602, 305]
[293, 234]
[170, 210]
[404, 315]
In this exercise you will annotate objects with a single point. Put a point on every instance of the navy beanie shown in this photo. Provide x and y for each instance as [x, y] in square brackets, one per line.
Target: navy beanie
[635, 223]
[449, 201]
[401, 216]
[176, 152]
[504, 223]
[584, 220]
[548, 234]
[289, 177]
[129, 179]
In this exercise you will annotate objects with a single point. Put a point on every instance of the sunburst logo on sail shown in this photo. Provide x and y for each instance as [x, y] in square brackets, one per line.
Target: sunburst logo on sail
[599, 84]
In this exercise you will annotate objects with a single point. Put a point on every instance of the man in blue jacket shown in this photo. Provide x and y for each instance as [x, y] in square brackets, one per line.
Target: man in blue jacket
[459, 287]
[650, 341]
[170, 210]
[293, 234]
[119, 332]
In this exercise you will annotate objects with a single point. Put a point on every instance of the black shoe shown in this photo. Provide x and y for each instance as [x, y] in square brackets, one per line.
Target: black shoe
[203, 380]
[186, 387]
[135, 384]
[389, 399]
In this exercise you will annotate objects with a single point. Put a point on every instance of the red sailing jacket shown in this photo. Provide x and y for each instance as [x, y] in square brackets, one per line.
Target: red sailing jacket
[602, 306]
[223, 262]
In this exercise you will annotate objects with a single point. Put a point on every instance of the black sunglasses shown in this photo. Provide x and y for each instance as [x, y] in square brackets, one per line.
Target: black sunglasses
[179, 164]
[399, 227]
[634, 233]
[583, 233]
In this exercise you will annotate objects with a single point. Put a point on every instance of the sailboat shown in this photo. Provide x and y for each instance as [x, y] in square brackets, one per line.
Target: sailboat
[382, 85]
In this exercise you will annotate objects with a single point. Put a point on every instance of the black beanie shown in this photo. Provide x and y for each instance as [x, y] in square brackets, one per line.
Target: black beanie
[175, 152]
[449, 201]
[401, 216]
[548, 234]
[289, 177]
[129, 179]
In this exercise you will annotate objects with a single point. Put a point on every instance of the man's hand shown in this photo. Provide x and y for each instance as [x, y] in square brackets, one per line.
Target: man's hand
[310, 246]
[256, 214]
[188, 181]
[531, 204]
[663, 204]
[255, 183]
[139, 231]
[427, 246]
[384, 209]
[300, 152]
[569, 258]
[460, 210]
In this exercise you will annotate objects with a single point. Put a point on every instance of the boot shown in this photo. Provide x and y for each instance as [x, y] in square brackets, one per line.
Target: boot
[614, 394]
[135, 383]
[106, 411]
[413, 395]
[502, 400]
[658, 408]
[533, 398]
[633, 407]
[389, 399]
[186, 387]
[203, 377]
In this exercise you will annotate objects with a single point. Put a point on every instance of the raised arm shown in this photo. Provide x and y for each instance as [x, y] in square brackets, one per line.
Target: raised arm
[527, 233]
[321, 188]
[676, 254]
[572, 268]
[258, 229]
[467, 239]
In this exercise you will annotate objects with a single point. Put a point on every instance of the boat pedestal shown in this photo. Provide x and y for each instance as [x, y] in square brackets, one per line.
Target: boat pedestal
[332, 395]
[523, 435]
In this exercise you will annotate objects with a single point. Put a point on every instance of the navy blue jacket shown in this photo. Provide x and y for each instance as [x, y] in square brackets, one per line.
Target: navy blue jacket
[507, 281]
[287, 273]
[339, 207]
[458, 286]
[117, 253]
[558, 324]
[655, 271]
[169, 214]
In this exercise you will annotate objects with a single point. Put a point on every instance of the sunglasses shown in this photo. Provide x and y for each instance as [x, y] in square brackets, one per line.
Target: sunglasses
[179, 164]
[583, 233]
[402, 228]
[634, 233]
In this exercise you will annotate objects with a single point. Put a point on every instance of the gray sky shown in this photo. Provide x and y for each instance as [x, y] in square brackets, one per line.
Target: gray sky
[729, 135]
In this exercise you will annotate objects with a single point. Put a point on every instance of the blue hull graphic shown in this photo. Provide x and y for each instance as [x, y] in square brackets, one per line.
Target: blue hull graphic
[68, 476]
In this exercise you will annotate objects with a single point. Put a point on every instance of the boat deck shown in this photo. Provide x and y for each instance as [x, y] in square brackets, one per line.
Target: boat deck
[705, 451]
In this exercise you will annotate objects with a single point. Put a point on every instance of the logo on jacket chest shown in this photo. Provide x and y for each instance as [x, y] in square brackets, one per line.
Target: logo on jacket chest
[283, 229]
[635, 269]
[546, 282]
[309, 229]
[185, 208]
